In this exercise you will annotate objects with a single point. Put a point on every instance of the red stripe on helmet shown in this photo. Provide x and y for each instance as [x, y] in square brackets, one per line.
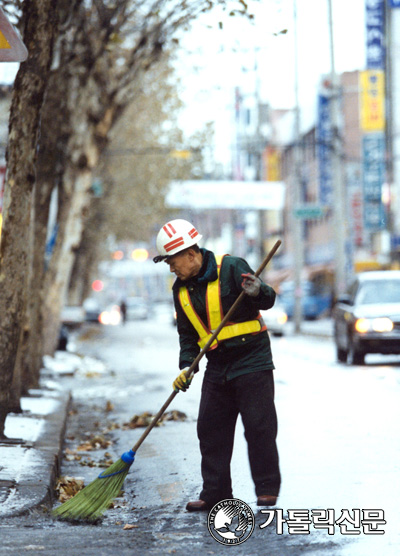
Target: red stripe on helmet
[167, 231]
[172, 244]
[171, 228]
[193, 233]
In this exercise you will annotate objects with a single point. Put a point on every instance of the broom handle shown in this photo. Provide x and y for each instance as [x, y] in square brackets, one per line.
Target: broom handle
[228, 315]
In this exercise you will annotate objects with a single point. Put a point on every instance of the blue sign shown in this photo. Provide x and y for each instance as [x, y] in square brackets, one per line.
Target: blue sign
[324, 150]
[394, 3]
[373, 180]
[375, 18]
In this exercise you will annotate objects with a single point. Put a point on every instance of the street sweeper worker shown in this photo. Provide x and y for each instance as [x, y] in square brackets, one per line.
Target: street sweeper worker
[239, 373]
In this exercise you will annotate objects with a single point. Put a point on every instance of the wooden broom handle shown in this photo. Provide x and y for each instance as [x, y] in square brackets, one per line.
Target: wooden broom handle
[226, 318]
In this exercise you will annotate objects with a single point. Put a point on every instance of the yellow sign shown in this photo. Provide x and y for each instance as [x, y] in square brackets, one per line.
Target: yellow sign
[12, 49]
[372, 109]
[3, 41]
[272, 162]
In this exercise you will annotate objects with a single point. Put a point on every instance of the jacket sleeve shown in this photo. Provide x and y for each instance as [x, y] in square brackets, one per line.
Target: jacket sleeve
[189, 348]
[266, 297]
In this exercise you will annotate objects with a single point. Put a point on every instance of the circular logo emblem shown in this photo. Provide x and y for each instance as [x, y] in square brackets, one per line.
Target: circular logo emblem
[231, 521]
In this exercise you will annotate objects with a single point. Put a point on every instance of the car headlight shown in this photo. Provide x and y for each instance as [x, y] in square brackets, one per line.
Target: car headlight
[282, 318]
[112, 317]
[382, 324]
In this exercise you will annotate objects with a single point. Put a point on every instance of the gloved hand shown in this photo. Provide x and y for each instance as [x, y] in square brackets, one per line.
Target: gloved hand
[251, 284]
[182, 382]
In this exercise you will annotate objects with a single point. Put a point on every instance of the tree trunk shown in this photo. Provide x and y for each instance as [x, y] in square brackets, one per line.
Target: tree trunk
[32, 342]
[70, 226]
[91, 251]
[84, 148]
[29, 88]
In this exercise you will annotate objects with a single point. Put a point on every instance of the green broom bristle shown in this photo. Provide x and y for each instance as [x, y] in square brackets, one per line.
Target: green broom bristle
[91, 502]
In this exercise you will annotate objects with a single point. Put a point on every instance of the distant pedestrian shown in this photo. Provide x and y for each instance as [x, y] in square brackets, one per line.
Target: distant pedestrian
[123, 309]
[239, 373]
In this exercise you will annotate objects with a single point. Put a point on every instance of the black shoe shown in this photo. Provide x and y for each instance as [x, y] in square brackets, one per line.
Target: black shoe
[197, 506]
[266, 500]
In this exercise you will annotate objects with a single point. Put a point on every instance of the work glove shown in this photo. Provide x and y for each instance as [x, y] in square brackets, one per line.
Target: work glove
[182, 382]
[251, 284]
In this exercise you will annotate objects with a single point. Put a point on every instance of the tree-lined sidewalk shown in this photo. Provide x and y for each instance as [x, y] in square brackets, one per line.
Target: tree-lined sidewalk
[88, 62]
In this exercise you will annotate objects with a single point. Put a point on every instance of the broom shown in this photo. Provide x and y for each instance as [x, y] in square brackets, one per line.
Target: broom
[91, 502]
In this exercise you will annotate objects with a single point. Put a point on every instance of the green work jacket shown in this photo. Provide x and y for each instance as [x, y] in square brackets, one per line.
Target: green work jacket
[234, 356]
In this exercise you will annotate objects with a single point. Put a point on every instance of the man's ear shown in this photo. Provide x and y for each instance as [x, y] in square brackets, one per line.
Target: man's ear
[191, 253]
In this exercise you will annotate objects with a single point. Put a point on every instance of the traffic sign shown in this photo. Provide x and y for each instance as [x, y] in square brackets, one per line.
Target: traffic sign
[12, 49]
[309, 212]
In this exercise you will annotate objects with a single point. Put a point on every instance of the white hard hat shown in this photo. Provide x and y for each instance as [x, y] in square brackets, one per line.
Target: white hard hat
[175, 236]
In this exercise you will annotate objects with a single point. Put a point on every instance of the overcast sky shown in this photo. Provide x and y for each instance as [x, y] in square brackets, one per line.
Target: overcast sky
[213, 61]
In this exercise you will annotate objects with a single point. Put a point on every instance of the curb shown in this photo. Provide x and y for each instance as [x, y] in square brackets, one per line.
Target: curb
[25, 490]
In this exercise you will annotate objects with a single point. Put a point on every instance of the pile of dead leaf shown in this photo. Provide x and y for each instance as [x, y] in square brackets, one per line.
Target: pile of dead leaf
[144, 419]
[67, 487]
[97, 442]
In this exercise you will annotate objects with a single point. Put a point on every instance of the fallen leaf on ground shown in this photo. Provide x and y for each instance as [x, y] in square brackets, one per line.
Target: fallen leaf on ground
[174, 415]
[109, 406]
[146, 418]
[85, 447]
[96, 443]
[142, 420]
[66, 487]
[130, 526]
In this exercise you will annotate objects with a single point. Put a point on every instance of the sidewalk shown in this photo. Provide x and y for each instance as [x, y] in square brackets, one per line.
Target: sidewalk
[29, 468]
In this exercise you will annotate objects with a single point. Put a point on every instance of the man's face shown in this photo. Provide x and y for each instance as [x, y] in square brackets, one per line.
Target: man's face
[183, 265]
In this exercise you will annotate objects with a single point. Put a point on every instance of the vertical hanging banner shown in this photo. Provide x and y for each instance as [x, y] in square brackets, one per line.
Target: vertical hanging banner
[372, 117]
[324, 151]
[12, 49]
[372, 101]
[272, 164]
[374, 19]
[373, 180]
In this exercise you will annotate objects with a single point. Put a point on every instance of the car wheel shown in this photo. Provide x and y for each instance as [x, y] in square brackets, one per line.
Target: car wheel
[341, 355]
[356, 357]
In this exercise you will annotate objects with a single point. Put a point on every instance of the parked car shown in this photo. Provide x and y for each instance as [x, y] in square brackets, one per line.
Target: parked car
[367, 317]
[314, 302]
[92, 309]
[72, 316]
[275, 319]
[137, 308]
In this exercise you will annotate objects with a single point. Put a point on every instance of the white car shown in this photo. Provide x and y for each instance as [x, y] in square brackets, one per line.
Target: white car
[275, 319]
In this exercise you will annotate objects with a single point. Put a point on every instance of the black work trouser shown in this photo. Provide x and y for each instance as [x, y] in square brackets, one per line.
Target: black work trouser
[251, 395]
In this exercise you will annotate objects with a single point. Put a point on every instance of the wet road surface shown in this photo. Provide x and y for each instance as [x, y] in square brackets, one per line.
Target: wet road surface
[338, 443]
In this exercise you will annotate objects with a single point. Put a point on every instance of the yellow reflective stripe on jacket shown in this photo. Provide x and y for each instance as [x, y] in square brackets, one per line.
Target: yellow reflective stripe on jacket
[213, 299]
[191, 314]
[215, 315]
[232, 330]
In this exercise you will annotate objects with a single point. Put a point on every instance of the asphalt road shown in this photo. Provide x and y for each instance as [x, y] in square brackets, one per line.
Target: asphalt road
[338, 442]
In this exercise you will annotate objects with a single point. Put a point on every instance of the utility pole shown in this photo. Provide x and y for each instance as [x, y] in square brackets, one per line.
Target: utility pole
[296, 223]
[339, 210]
